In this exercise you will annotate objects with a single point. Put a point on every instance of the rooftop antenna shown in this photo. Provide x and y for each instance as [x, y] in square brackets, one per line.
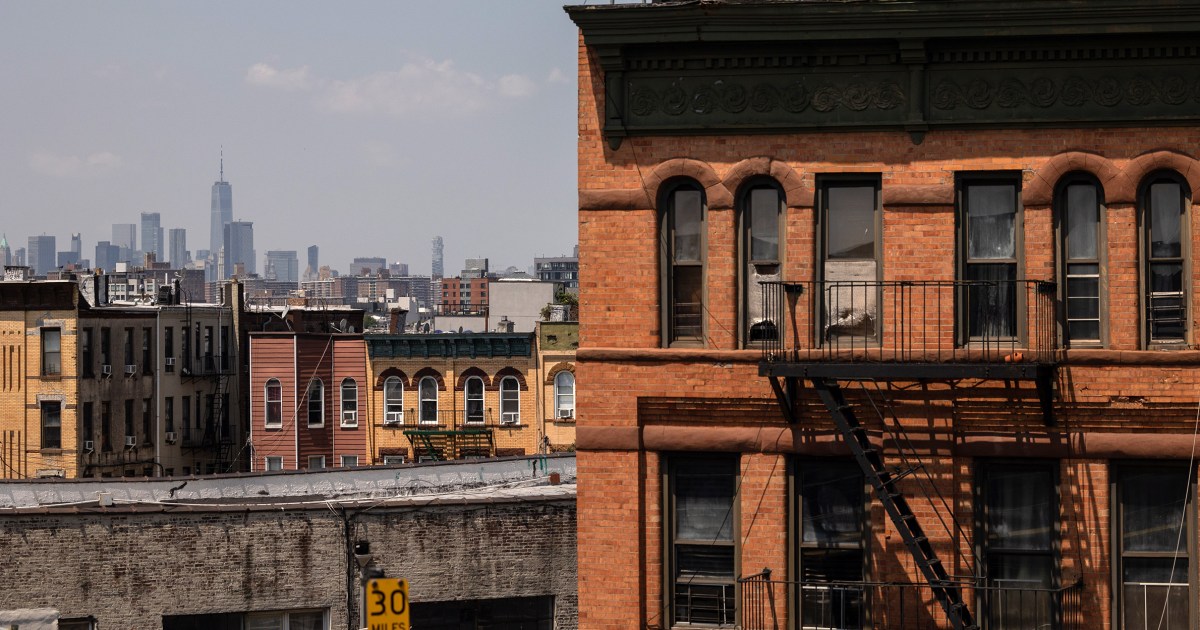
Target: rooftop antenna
[222, 162]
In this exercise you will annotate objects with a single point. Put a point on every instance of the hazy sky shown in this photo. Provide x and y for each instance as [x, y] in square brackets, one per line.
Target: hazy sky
[363, 127]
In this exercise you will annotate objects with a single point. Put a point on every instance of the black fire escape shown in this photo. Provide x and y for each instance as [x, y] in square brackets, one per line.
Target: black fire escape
[827, 334]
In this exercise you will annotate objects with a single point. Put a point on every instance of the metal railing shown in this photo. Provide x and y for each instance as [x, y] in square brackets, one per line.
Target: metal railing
[908, 321]
[450, 419]
[207, 364]
[764, 605]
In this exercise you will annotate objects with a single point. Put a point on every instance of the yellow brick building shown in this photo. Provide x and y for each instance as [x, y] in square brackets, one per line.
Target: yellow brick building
[556, 346]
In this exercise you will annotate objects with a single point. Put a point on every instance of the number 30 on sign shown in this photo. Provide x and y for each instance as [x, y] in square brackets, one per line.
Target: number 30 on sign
[387, 604]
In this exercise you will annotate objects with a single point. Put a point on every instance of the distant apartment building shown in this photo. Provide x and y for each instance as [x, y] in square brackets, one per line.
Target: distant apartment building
[438, 268]
[398, 269]
[283, 266]
[561, 269]
[517, 305]
[557, 343]
[42, 254]
[463, 296]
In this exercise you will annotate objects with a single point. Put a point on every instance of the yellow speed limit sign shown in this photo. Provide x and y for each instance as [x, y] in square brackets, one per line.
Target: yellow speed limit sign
[387, 604]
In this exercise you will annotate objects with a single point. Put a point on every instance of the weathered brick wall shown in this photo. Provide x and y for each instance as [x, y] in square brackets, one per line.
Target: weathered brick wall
[129, 568]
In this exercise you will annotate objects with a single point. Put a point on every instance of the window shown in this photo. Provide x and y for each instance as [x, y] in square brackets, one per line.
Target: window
[393, 400]
[146, 433]
[147, 355]
[185, 421]
[349, 460]
[428, 390]
[564, 395]
[1154, 523]
[105, 425]
[701, 547]
[349, 403]
[316, 403]
[389, 460]
[316, 462]
[105, 346]
[683, 228]
[274, 463]
[311, 620]
[849, 268]
[51, 424]
[169, 414]
[761, 215]
[473, 403]
[128, 418]
[831, 521]
[87, 352]
[1081, 244]
[1164, 222]
[51, 352]
[273, 392]
[169, 349]
[224, 349]
[510, 400]
[1019, 516]
[89, 433]
[990, 247]
[128, 346]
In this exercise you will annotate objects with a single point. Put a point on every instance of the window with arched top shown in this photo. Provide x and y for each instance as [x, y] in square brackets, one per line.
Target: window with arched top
[682, 243]
[274, 397]
[473, 399]
[1079, 211]
[316, 403]
[393, 400]
[349, 403]
[428, 391]
[1163, 224]
[564, 395]
[510, 400]
[760, 209]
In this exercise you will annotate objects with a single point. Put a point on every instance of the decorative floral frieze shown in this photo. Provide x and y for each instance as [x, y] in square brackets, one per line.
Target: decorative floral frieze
[1073, 91]
[733, 98]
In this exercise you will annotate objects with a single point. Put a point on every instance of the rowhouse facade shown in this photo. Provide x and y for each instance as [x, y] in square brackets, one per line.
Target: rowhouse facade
[894, 301]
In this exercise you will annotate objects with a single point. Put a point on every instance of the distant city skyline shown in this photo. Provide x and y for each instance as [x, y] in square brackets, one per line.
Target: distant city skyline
[431, 118]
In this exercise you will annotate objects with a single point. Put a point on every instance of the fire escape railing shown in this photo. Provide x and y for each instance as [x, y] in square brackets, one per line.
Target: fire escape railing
[928, 321]
[764, 605]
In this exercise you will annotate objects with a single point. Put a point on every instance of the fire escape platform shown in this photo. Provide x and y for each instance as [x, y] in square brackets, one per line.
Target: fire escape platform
[907, 371]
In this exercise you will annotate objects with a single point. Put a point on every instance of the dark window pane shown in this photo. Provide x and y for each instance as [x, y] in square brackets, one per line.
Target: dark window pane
[1166, 208]
[1020, 507]
[832, 505]
[1155, 570]
[703, 502]
[850, 215]
[831, 606]
[1083, 222]
[991, 301]
[1084, 330]
[991, 221]
[706, 604]
[764, 224]
[687, 305]
[1155, 607]
[1152, 510]
[704, 562]
[831, 565]
[1083, 307]
[1018, 597]
[687, 218]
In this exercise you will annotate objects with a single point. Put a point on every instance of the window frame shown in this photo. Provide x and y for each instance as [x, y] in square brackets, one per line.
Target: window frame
[315, 394]
[316, 458]
[87, 352]
[168, 349]
[745, 229]
[49, 367]
[1116, 527]
[559, 405]
[349, 406]
[513, 387]
[1144, 230]
[393, 404]
[268, 422]
[50, 412]
[345, 458]
[668, 264]
[481, 416]
[963, 262]
[671, 463]
[824, 183]
[267, 461]
[421, 400]
[1063, 262]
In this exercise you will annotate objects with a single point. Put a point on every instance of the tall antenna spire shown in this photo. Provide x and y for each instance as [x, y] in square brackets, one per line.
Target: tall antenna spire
[222, 162]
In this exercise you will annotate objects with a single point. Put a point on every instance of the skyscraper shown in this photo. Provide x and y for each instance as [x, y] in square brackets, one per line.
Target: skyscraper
[438, 268]
[42, 254]
[222, 215]
[125, 235]
[283, 265]
[239, 247]
[5, 252]
[107, 255]
[178, 246]
[77, 244]
[314, 263]
[152, 235]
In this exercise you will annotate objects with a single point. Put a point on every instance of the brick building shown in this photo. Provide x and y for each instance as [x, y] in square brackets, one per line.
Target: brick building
[894, 300]
[481, 545]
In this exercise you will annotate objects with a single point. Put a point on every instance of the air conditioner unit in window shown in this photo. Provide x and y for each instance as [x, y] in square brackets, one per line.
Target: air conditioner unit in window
[130, 370]
[89, 446]
[393, 417]
[349, 417]
[512, 417]
[566, 413]
[170, 361]
[130, 441]
[106, 370]
[170, 437]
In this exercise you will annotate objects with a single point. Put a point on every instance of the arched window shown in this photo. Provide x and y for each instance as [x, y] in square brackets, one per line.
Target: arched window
[683, 251]
[274, 397]
[1164, 227]
[1079, 212]
[349, 403]
[393, 400]
[510, 400]
[564, 395]
[473, 399]
[428, 391]
[316, 403]
[761, 211]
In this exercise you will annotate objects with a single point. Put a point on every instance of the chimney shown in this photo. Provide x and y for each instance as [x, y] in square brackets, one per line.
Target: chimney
[396, 320]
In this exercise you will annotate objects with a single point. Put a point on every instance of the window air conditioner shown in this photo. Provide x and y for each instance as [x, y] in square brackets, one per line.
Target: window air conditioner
[349, 417]
[170, 361]
[393, 417]
[170, 437]
[511, 417]
[566, 413]
[88, 446]
[130, 370]
[130, 441]
[106, 369]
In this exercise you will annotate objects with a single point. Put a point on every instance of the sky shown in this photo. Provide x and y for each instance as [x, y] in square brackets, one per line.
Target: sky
[365, 128]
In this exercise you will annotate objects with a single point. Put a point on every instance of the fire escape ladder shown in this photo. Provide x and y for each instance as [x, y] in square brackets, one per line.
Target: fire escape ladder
[884, 481]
